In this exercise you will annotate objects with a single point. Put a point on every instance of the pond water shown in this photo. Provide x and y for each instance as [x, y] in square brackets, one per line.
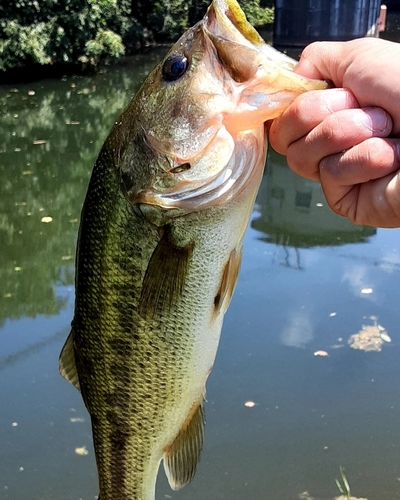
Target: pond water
[309, 281]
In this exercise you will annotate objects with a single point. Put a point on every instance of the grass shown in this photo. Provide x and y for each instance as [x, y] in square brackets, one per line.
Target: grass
[343, 485]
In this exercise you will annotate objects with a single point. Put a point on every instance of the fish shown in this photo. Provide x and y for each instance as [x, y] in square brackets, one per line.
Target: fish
[160, 244]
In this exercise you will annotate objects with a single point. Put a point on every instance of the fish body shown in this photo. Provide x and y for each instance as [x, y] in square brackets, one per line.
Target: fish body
[160, 245]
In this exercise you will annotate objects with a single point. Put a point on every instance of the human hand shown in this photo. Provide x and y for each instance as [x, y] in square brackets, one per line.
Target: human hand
[348, 138]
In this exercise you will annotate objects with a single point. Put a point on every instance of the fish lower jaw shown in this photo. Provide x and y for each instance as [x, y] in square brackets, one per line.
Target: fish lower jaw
[189, 200]
[237, 176]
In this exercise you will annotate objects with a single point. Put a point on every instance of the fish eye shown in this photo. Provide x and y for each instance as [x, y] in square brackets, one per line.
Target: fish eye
[174, 67]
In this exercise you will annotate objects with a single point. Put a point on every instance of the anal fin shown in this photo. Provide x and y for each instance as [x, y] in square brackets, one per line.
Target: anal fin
[66, 362]
[183, 455]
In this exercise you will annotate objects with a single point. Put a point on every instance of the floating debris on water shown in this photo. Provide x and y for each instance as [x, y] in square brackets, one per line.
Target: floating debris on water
[367, 291]
[370, 337]
[321, 353]
[249, 404]
[81, 451]
[67, 257]
[46, 220]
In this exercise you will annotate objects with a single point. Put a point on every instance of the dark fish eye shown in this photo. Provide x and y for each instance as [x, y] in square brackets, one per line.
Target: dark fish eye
[175, 67]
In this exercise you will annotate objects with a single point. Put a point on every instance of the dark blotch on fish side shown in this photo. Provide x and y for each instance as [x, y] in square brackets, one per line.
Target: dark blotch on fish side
[122, 347]
[118, 440]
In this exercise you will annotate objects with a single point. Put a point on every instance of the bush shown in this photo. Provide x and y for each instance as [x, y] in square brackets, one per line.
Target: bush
[49, 32]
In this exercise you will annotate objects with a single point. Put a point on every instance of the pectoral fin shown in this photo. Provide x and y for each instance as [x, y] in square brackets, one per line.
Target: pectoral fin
[66, 362]
[228, 281]
[165, 276]
[182, 457]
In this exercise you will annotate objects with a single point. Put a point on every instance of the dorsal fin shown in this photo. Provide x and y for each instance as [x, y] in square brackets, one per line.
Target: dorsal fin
[165, 276]
[183, 455]
[66, 362]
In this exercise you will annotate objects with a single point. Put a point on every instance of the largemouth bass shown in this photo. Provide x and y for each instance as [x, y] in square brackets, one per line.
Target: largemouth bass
[160, 244]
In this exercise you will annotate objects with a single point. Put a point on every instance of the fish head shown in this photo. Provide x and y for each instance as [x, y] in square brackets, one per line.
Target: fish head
[189, 122]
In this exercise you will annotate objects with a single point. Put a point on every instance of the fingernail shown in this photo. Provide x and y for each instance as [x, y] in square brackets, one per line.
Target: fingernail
[339, 99]
[376, 120]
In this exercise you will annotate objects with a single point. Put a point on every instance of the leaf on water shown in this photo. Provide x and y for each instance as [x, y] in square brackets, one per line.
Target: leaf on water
[81, 451]
[321, 353]
[385, 337]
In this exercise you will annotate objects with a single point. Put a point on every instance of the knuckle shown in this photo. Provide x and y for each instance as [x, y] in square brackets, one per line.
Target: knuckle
[299, 162]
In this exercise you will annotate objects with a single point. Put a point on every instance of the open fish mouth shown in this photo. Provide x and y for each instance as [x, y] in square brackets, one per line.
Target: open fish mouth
[257, 83]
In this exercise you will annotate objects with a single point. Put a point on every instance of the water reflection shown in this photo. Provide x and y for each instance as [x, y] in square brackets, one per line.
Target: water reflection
[293, 212]
[51, 133]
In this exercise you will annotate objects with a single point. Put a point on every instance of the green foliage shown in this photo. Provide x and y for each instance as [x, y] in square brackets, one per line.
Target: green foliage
[23, 43]
[105, 43]
[49, 32]
[256, 14]
[343, 487]
[66, 31]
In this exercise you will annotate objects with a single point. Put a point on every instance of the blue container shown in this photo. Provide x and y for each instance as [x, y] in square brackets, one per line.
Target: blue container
[300, 22]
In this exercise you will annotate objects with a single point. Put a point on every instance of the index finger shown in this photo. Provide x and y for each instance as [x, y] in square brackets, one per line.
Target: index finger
[323, 60]
[307, 111]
